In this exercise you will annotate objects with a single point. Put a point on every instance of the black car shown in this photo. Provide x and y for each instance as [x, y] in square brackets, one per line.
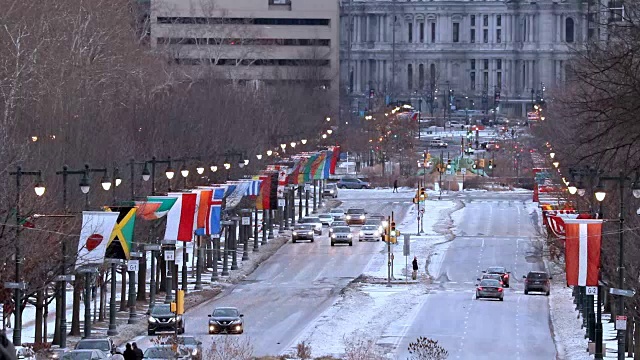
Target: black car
[500, 270]
[226, 320]
[303, 232]
[537, 281]
[162, 319]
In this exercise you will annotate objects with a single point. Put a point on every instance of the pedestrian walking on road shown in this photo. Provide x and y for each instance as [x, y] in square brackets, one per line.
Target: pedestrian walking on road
[129, 354]
[395, 186]
[136, 349]
[414, 276]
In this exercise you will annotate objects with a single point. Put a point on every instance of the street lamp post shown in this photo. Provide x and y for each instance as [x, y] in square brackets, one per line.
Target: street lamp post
[19, 287]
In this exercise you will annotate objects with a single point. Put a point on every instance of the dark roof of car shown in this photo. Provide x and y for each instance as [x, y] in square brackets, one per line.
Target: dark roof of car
[340, 229]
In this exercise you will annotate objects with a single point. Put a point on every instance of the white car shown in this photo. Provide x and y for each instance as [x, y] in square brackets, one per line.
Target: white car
[326, 219]
[369, 232]
[338, 214]
[312, 220]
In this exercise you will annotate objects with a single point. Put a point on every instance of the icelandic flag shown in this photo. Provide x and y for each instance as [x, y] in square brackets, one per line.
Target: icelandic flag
[181, 217]
[215, 211]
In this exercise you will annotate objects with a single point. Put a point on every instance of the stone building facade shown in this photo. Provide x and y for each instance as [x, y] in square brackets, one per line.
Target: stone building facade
[478, 50]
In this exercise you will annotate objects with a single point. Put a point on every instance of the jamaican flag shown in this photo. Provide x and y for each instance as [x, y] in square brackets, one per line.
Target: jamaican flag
[121, 238]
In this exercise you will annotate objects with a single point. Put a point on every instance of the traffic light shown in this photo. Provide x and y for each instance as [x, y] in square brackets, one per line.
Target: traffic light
[475, 164]
[180, 302]
[490, 164]
[423, 194]
[392, 233]
[173, 307]
[482, 163]
[449, 164]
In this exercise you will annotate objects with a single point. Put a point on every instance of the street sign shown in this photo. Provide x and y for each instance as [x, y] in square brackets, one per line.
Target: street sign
[136, 254]
[133, 265]
[448, 172]
[65, 278]
[406, 250]
[463, 171]
[168, 242]
[169, 255]
[215, 236]
[15, 285]
[153, 247]
[591, 290]
[622, 292]
[281, 202]
[621, 322]
[246, 221]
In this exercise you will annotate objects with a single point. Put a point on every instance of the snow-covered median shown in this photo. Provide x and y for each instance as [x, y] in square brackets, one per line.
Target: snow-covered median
[567, 332]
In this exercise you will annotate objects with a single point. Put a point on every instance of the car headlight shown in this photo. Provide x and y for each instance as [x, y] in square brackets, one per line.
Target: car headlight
[380, 228]
[295, 233]
[330, 230]
[348, 217]
[385, 223]
[377, 233]
[152, 319]
[361, 233]
[333, 236]
[194, 352]
[310, 233]
[362, 217]
[349, 236]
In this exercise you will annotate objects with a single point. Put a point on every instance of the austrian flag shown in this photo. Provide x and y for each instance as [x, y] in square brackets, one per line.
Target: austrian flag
[582, 251]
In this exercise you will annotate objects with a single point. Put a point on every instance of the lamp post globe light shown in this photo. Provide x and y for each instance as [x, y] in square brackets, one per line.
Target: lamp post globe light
[293, 144]
[184, 171]
[329, 131]
[170, 173]
[227, 165]
[283, 146]
[85, 186]
[324, 136]
[146, 174]
[572, 189]
[246, 161]
[200, 169]
[213, 168]
[600, 193]
[259, 156]
[303, 141]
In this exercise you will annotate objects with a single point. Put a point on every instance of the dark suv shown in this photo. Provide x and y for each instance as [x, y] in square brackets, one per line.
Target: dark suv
[537, 281]
[162, 319]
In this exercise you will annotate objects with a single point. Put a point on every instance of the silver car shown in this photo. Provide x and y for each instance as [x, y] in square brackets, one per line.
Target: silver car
[326, 219]
[330, 190]
[341, 234]
[338, 214]
[312, 220]
[85, 354]
[489, 288]
[369, 232]
[336, 224]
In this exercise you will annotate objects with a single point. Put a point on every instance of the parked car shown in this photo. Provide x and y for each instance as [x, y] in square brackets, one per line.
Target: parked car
[489, 288]
[193, 345]
[330, 190]
[338, 214]
[341, 234]
[356, 216]
[103, 344]
[353, 183]
[326, 219]
[162, 319]
[85, 354]
[161, 352]
[312, 220]
[226, 320]
[337, 224]
[502, 272]
[537, 281]
[370, 232]
[303, 232]
[437, 143]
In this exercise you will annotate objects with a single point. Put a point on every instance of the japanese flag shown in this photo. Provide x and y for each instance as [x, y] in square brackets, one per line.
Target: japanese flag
[582, 251]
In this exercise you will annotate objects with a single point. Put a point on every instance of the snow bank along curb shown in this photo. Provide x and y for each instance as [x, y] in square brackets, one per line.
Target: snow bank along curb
[567, 331]
[443, 227]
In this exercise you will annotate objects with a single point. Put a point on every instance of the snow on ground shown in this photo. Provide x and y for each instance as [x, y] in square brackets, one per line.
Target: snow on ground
[567, 332]
[375, 308]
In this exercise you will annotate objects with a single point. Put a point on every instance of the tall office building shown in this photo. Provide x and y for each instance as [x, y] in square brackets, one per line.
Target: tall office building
[482, 51]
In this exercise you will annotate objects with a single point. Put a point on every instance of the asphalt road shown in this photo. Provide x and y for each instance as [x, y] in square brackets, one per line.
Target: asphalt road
[492, 232]
[292, 288]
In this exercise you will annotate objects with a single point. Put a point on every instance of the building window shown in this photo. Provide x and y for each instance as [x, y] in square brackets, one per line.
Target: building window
[433, 32]
[473, 64]
[410, 29]
[410, 76]
[486, 64]
[485, 20]
[485, 79]
[568, 29]
[499, 64]
[432, 75]
[456, 32]
[473, 20]
[472, 80]
[499, 79]
[422, 32]
[485, 35]
[498, 36]
[421, 76]
[350, 81]
[499, 20]
[616, 10]
[473, 35]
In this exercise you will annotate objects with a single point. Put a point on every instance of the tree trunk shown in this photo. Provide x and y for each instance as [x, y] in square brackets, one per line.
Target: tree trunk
[39, 310]
[123, 291]
[163, 275]
[103, 296]
[56, 330]
[75, 317]
[142, 279]
[44, 323]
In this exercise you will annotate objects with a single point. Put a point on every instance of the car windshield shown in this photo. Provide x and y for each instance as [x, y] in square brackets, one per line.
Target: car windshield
[339, 223]
[161, 310]
[189, 340]
[372, 222]
[325, 216]
[309, 220]
[94, 344]
[341, 229]
[304, 227]
[534, 275]
[330, 186]
[77, 355]
[491, 276]
[369, 227]
[337, 211]
[355, 211]
[160, 353]
[225, 312]
[496, 270]
[489, 282]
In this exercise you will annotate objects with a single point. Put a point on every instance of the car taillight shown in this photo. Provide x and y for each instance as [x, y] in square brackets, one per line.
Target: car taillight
[499, 289]
[479, 288]
[506, 276]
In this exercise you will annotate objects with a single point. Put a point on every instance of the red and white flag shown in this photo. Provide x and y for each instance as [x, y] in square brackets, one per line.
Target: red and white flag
[582, 251]
[181, 217]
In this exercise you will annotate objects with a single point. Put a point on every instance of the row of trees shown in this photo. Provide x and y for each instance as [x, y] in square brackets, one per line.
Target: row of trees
[78, 85]
[594, 121]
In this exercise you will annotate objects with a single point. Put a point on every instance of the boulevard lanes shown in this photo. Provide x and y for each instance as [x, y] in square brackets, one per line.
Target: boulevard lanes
[489, 232]
[293, 287]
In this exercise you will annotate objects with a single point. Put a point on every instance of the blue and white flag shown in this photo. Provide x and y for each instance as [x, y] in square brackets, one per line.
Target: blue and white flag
[254, 188]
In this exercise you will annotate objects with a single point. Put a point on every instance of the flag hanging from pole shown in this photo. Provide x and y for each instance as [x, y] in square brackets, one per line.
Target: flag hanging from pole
[94, 235]
[121, 238]
[166, 201]
[582, 251]
[181, 217]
